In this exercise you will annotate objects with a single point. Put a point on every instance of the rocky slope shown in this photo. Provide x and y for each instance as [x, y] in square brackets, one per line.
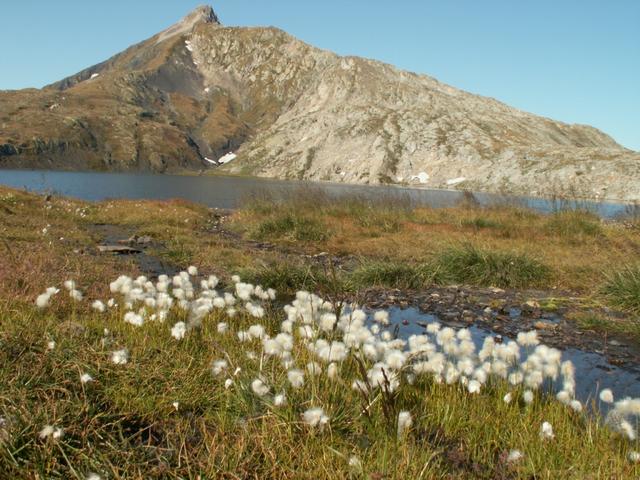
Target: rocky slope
[197, 91]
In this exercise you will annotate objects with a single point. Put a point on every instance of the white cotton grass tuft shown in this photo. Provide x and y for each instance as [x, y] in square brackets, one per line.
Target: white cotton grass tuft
[381, 317]
[514, 456]
[296, 378]
[43, 300]
[280, 400]
[259, 387]
[355, 463]
[606, 395]
[193, 271]
[51, 345]
[76, 295]
[634, 457]
[507, 398]
[85, 378]
[49, 431]
[218, 366]
[315, 417]
[527, 396]
[99, 306]
[120, 357]
[179, 330]
[46, 432]
[546, 431]
[404, 422]
[474, 386]
[576, 406]
[93, 476]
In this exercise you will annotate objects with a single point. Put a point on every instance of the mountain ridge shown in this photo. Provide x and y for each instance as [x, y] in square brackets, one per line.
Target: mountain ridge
[198, 90]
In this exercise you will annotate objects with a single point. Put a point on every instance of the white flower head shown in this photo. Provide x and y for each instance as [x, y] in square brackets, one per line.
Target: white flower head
[120, 357]
[381, 317]
[546, 431]
[355, 463]
[46, 432]
[178, 330]
[218, 366]
[474, 386]
[315, 417]
[43, 300]
[296, 378]
[404, 422]
[514, 456]
[606, 395]
[98, 306]
[527, 396]
[259, 387]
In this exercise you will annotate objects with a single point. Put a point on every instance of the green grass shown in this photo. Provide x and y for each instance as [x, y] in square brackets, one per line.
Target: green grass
[288, 278]
[291, 226]
[622, 288]
[606, 325]
[574, 224]
[472, 265]
[124, 425]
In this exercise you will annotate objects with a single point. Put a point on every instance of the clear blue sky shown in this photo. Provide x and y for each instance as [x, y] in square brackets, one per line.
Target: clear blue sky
[572, 60]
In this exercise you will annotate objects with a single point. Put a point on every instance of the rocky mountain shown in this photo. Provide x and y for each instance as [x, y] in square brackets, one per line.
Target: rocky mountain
[190, 95]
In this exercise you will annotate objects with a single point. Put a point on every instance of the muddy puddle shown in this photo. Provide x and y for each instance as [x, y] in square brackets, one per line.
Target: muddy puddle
[148, 264]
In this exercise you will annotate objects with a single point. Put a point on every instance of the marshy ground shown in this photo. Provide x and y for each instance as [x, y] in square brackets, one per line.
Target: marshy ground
[569, 275]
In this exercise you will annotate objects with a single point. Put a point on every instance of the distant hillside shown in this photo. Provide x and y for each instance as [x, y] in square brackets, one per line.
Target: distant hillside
[192, 94]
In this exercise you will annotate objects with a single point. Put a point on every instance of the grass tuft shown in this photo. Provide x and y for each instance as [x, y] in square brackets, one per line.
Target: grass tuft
[292, 226]
[387, 274]
[573, 224]
[622, 288]
[473, 265]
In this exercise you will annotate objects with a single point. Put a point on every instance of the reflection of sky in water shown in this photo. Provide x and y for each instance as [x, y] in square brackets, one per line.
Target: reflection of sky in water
[228, 191]
[593, 372]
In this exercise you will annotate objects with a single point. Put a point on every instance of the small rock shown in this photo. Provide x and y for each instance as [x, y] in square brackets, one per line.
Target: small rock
[496, 290]
[118, 249]
[615, 343]
[532, 304]
[544, 326]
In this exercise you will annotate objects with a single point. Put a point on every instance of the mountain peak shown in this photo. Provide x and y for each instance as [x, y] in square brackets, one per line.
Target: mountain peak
[201, 14]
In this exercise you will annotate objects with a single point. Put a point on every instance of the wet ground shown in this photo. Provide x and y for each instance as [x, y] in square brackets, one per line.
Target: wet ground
[135, 249]
[507, 313]
[593, 371]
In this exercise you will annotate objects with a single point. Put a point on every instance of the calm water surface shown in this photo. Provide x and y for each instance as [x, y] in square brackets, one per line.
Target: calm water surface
[229, 192]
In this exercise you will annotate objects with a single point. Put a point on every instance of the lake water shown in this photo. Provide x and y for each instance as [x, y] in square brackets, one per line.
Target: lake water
[229, 191]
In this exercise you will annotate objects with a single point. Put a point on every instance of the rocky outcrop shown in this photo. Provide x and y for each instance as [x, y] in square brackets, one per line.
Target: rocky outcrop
[198, 91]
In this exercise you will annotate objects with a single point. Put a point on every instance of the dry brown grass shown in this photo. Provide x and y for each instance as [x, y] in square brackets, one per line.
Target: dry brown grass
[576, 245]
